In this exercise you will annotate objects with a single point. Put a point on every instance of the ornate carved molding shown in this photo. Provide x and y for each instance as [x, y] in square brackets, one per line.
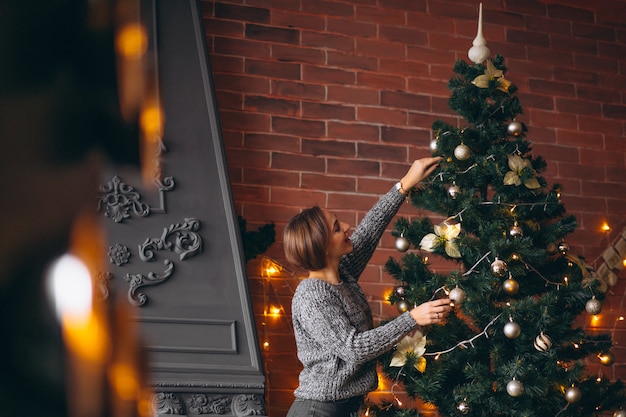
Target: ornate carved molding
[182, 238]
[119, 200]
[168, 403]
[238, 405]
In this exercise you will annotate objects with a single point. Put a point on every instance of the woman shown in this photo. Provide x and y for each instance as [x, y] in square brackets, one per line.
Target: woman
[336, 341]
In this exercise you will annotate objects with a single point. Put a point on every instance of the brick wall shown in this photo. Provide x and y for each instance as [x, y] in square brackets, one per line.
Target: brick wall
[327, 102]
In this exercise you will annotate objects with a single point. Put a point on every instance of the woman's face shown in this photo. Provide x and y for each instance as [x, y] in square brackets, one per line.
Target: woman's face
[338, 242]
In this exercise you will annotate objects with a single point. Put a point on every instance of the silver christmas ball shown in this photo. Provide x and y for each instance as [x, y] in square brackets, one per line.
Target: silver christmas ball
[453, 190]
[402, 244]
[457, 296]
[619, 413]
[573, 395]
[400, 291]
[593, 306]
[515, 128]
[563, 247]
[499, 268]
[403, 306]
[510, 286]
[512, 330]
[543, 343]
[514, 388]
[462, 152]
[516, 231]
[463, 408]
[434, 145]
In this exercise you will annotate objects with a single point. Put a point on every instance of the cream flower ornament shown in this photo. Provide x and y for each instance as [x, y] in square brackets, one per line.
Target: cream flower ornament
[445, 234]
[491, 72]
[411, 345]
[513, 177]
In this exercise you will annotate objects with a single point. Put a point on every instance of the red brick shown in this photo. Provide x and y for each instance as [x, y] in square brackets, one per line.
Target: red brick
[352, 94]
[289, 53]
[354, 131]
[272, 105]
[409, 136]
[232, 82]
[327, 40]
[404, 5]
[601, 65]
[541, 23]
[243, 13]
[249, 158]
[552, 119]
[280, 17]
[549, 56]
[583, 140]
[380, 49]
[240, 47]
[559, 11]
[373, 14]
[604, 189]
[328, 148]
[222, 63]
[382, 115]
[552, 87]
[404, 35]
[557, 153]
[328, 111]
[404, 67]
[527, 37]
[536, 101]
[294, 89]
[252, 121]
[328, 183]
[303, 163]
[269, 177]
[381, 152]
[595, 32]
[285, 70]
[345, 60]
[350, 27]
[327, 75]
[306, 128]
[352, 167]
[251, 193]
[224, 28]
[584, 172]
[614, 111]
[337, 201]
[272, 142]
[601, 158]
[229, 100]
[331, 8]
[402, 100]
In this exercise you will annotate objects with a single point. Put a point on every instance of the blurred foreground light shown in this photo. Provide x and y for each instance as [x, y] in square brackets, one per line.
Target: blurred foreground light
[70, 288]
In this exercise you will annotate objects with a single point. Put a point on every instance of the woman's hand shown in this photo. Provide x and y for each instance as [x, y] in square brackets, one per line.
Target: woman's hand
[431, 312]
[420, 169]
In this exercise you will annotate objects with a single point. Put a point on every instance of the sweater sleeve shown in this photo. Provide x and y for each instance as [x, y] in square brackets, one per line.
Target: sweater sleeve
[367, 234]
[325, 321]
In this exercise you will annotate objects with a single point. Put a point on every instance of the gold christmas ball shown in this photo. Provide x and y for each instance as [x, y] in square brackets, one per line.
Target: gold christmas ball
[516, 231]
[563, 247]
[462, 152]
[510, 286]
[573, 395]
[606, 359]
[403, 306]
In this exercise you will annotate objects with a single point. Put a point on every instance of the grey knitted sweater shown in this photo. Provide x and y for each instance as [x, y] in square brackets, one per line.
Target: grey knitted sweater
[337, 343]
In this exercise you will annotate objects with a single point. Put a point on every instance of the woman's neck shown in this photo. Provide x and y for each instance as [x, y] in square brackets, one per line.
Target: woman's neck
[329, 275]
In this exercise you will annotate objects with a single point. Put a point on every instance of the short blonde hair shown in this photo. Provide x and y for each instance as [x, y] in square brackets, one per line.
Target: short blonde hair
[306, 238]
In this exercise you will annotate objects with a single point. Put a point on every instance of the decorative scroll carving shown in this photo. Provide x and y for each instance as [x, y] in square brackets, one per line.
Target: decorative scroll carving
[203, 404]
[118, 199]
[180, 238]
[168, 403]
[248, 405]
[102, 285]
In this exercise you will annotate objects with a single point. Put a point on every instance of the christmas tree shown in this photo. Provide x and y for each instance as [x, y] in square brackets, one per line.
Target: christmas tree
[510, 346]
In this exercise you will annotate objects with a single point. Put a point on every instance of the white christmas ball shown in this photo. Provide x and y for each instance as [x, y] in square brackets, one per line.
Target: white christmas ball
[434, 145]
[514, 388]
[462, 152]
[478, 53]
[402, 244]
[543, 343]
[593, 306]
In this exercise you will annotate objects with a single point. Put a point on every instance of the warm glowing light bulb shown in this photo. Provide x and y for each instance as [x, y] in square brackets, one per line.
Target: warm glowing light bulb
[620, 318]
[132, 41]
[151, 122]
[266, 345]
[605, 227]
[275, 311]
[624, 262]
[595, 320]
